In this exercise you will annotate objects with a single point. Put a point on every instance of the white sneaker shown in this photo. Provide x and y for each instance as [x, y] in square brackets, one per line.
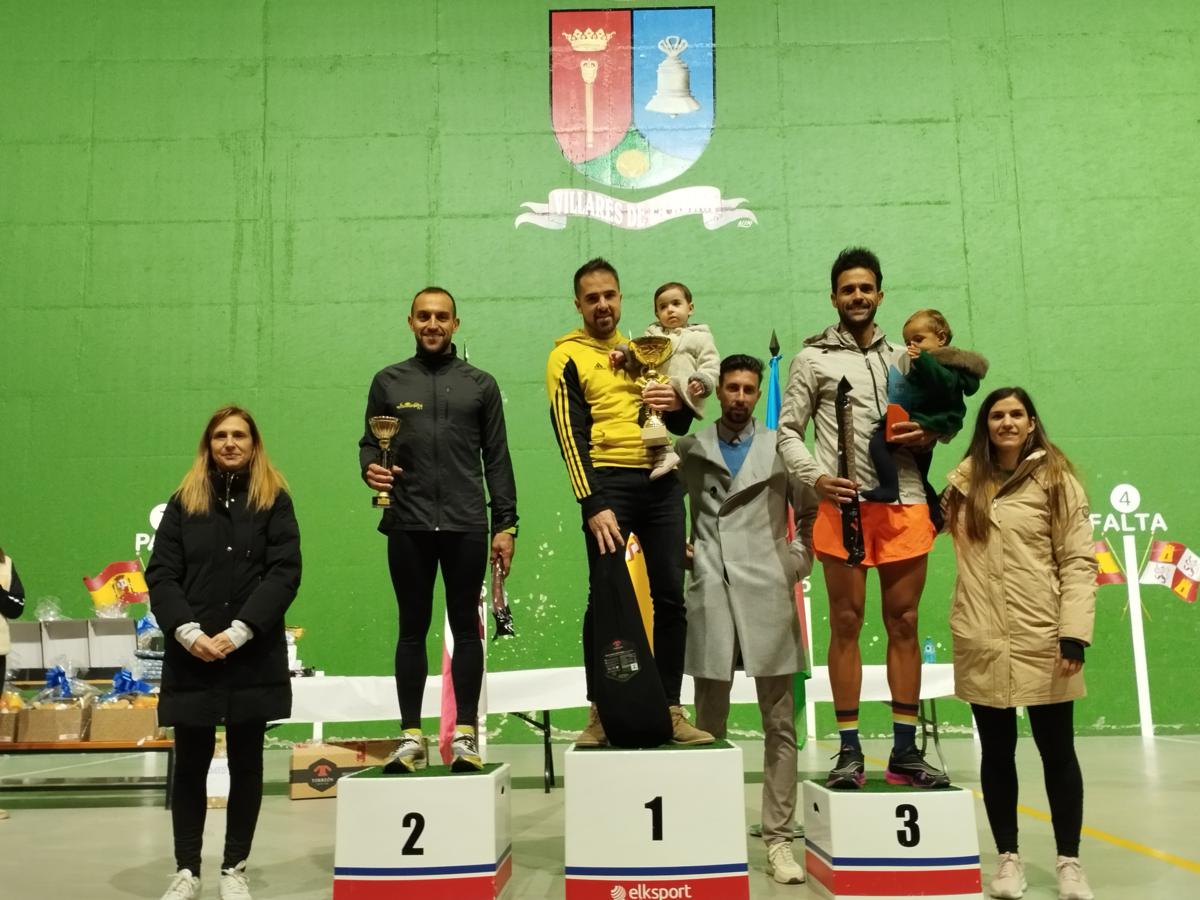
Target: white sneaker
[1072, 883]
[1009, 883]
[409, 754]
[184, 886]
[781, 865]
[234, 884]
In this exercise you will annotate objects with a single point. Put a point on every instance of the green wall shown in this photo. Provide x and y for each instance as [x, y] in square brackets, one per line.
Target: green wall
[233, 200]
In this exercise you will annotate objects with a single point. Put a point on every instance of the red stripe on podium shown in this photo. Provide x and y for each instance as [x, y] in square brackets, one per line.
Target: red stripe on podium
[893, 882]
[477, 887]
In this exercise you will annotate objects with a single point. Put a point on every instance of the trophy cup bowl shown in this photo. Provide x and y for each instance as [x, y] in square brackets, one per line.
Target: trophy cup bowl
[651, 352]
[384, 428]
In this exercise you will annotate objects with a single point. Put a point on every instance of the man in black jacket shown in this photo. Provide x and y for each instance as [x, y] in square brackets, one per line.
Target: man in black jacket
[451, 438]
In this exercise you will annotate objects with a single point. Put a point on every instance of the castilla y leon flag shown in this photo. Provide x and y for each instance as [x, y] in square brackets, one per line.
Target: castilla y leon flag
[1108, 569]
[119, 582]
[1173, 565]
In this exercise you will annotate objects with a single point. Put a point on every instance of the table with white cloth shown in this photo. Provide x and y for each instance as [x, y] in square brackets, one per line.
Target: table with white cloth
[523, 692]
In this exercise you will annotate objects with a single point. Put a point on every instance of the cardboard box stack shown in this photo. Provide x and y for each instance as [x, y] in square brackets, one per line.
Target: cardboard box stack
[316, 767]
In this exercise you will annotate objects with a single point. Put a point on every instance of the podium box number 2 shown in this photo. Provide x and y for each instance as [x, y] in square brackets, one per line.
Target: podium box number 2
[662, 824]
[430, 835]
[890, 841]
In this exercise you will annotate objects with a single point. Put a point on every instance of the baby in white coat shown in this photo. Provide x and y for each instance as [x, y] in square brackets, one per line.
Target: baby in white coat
[694, 366]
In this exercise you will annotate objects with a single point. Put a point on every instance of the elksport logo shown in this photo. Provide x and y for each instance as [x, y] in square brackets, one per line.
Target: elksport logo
[643, 891]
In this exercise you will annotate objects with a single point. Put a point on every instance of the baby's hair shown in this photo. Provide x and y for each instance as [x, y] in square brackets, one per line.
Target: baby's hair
[939, 322]
[673, 284]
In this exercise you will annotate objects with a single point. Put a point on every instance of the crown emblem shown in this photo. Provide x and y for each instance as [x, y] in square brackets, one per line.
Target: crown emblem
[589, 41]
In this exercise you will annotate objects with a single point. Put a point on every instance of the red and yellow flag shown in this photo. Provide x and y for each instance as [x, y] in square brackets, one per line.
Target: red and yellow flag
[1109, 571]
[119, 582]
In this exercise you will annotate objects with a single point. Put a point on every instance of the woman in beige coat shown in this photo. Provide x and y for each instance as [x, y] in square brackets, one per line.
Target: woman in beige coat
[1021, 618]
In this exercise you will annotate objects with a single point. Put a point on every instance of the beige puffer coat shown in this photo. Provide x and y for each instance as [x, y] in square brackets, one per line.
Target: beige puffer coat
[1030, 583]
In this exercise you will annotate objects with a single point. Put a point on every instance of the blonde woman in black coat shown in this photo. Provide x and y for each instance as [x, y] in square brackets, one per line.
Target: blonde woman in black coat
[225, 568]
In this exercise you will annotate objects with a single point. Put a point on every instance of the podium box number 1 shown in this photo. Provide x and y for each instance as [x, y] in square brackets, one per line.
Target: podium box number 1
[661, 824]
[429, 835]
[891, 841]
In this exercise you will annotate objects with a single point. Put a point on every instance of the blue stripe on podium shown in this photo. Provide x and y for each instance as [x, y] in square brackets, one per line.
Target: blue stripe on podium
[724, 869]
[378, 872]
[904, 861]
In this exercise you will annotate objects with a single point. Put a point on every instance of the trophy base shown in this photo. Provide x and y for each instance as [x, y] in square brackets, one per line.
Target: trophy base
[381, 501]
[655, 436]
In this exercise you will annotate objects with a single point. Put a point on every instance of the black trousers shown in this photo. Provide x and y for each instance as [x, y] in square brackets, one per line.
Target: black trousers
[413, 560]
[1054, 733]
[194, 746]
[653, 510]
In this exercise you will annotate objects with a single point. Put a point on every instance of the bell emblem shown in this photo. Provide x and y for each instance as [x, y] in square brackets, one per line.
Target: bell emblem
[674, 94]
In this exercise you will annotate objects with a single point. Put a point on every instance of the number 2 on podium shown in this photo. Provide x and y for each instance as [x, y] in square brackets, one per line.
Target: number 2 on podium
[655, 807]
[416, 822]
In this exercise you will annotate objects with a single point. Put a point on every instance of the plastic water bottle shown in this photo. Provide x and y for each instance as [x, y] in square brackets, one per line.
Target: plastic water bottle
[929, 652]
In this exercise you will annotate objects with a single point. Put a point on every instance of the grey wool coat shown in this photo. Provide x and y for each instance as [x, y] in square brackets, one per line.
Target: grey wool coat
[744, 571]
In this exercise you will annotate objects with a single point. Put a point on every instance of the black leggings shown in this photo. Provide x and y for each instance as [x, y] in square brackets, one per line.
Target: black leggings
[1054, 733]
[653, 510]
[194, 745]
[413, 559]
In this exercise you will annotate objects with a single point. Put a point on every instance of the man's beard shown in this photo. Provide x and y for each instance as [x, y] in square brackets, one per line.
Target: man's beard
[444, 349]
[844, 318]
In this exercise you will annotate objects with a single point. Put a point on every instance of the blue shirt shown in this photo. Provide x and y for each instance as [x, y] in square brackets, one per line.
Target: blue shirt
[735, 446]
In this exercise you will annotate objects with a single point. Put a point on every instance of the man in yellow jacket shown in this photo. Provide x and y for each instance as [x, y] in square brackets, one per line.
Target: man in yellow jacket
[594, 411]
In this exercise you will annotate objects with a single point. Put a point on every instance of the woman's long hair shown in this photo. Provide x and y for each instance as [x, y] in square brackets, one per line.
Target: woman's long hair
[196, 492]
[985, 476]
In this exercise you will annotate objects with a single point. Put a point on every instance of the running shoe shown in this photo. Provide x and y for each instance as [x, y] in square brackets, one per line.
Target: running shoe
[409, 754]
[465, 750]
[909, 767]
[850, 771]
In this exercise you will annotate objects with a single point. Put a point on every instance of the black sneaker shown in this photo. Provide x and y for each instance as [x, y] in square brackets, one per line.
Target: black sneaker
[849, 773]
[909, 767]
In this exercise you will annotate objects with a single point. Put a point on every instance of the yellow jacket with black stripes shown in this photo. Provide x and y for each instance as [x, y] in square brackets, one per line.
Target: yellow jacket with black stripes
[594, 411]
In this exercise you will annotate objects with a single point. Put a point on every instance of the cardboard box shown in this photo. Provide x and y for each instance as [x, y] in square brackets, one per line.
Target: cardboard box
[122, 723]
[65, 642]
[26, 651]
[112, 643]
[316, 767]
[8, 725]
[67, 724]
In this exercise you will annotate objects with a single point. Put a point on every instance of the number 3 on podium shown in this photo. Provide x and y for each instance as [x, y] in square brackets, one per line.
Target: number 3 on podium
[910, 834]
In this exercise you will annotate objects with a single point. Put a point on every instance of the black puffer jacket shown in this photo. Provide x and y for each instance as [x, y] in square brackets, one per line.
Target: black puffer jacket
[233, 563]
[451, 437]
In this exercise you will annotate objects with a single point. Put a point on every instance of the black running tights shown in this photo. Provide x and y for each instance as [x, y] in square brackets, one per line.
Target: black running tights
[194, 745]
[413, 559]
[1054, 734]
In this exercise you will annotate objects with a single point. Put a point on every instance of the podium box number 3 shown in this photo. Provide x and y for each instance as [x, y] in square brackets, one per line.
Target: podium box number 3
[432, 835]
[662, 824]
[888, 841]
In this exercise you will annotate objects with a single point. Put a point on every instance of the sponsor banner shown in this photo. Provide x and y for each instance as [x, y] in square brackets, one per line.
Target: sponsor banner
[894, 877]
[564, 203]
[695, 887]
[441, 883]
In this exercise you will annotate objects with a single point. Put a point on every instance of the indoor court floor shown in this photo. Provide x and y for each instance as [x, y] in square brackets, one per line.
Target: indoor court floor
[1141, 828]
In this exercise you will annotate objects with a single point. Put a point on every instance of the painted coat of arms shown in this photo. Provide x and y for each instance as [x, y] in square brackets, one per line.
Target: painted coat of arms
[632, 104]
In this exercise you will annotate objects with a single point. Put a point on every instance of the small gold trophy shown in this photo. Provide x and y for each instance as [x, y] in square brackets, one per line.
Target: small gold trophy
[384, 428]
[651, 352]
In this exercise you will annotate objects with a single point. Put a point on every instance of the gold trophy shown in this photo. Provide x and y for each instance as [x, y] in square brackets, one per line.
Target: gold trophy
[651, 352]
[384, 428]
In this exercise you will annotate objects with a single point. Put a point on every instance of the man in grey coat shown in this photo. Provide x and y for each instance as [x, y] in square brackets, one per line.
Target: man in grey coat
[740, 599]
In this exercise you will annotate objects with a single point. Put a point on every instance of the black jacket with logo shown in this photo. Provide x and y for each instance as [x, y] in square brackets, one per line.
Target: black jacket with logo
[451, 438]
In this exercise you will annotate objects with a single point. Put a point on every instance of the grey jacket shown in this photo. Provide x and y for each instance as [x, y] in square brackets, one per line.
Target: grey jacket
[741, 590]
[812, 385]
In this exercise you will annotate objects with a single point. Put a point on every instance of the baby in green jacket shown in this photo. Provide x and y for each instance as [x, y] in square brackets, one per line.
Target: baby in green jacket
[925, 385]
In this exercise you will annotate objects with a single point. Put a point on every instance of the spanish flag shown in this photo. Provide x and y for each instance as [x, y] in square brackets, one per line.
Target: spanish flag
[119, 582]
[1108, 570]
